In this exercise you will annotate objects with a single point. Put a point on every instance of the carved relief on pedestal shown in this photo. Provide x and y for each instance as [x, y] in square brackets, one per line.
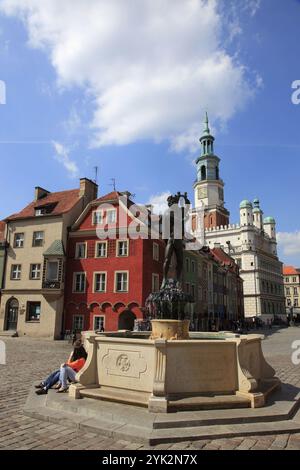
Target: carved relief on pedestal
[124, 363]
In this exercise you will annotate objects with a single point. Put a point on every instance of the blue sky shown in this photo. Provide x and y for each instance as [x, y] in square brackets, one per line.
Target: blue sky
[129, 95]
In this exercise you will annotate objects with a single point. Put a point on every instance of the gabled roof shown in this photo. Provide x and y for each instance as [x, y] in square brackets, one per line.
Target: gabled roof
[56, 249]
[64, 201]
[113, 196]
[290, 270]
[223, 258]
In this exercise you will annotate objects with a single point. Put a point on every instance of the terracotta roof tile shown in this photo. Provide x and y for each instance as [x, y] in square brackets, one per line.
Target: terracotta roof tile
[64, 201]
[289, 270]
[114, 195]
[223, 257]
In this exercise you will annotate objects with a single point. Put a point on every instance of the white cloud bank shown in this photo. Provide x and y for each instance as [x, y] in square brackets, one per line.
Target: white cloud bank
[63, 157]
[151, 67]
[159, 202]
[289, 243]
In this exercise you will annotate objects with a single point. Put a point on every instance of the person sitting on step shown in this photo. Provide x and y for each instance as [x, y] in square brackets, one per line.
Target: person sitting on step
[68, 371]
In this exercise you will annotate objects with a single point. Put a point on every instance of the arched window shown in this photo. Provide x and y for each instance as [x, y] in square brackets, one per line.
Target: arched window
[203, 172]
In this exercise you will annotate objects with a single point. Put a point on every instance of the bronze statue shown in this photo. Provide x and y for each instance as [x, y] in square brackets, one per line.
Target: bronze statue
[175, 218]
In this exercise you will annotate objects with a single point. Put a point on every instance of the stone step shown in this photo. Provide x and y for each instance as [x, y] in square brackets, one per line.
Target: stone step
[160, 436]
[117, 395]
[136, 424]
[164, 436]
[209, 403]
[280, 411]
[9, 333]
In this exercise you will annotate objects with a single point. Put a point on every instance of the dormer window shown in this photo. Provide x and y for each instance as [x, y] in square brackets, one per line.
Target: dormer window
[44, 210]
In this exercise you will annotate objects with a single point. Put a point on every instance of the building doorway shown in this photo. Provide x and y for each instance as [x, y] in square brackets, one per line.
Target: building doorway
[126, 321]
[12, 312]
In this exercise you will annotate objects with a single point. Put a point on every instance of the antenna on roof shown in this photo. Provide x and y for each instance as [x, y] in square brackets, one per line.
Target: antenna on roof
[113, 183]
[96, 168]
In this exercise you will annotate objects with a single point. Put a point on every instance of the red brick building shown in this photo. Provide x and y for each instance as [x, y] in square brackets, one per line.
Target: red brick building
[108, 279]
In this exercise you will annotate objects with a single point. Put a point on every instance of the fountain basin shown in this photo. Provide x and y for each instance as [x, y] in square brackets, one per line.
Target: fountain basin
[219, 371]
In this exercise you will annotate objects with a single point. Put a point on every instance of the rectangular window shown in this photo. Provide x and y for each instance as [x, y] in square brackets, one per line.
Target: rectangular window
[19, 240]
[41, 211]
[288, 291]
[101, 249]
[121, 283]
[80, 250]
[38, 239]
[77, 322]
[52, 271]
[100, 282]
[155, 282]
[156, 251]
[111, 216]
[193, 290]
[122, 248]
[33, 311]
[187, 265]
[200, 293]
[99, 323]
[187, 288]
[193, 266]
[295, 291]
[16, 270]
[97, 217]
[294, 279]
[296, 303]
[35, 271]
[79, 283]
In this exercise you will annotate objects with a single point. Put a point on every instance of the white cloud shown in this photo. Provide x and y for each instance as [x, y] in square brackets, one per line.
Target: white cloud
[73, 123]
[151, 67]
[252, 6]
[63, 157]
[159, 202]
[289, 243]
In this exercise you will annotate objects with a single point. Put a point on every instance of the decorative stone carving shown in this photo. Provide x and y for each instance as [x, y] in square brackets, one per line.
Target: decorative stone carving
[124, 363]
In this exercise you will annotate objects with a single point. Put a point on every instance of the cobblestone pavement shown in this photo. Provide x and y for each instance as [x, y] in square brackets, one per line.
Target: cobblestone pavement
[29, 360]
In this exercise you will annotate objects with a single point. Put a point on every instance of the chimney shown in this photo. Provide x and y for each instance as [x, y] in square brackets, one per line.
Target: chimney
[88, 190]
[39, 193]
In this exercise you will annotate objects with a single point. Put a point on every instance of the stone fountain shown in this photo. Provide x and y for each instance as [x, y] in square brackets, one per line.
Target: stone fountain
[171, 369]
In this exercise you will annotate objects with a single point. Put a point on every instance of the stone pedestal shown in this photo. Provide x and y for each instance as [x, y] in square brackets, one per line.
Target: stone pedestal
[180, 374]
[170, 330]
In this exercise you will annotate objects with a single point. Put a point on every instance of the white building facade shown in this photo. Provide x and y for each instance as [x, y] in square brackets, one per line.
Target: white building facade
[251, 243]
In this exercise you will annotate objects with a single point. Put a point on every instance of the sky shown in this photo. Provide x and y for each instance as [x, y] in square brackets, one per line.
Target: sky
[124, 85]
